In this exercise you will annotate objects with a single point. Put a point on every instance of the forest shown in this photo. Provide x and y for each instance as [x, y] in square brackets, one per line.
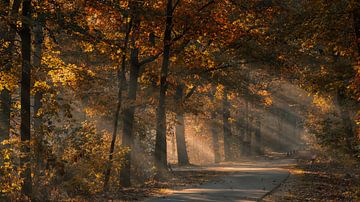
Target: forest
[123, 100]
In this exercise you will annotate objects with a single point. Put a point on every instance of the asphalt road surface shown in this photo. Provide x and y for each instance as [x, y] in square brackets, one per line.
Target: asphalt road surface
[246, 181]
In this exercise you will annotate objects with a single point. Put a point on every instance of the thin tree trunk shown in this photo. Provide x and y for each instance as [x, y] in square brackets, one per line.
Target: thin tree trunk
[213, 127]
[121, 80]
[25, 35]
[215, 138]
[160, 144]
[183, 158]
[38, 37]
[257, 144]
[247, 136]
[5, 95]
[226, 126]
[278, 129]
[129, 111]
[356, 16]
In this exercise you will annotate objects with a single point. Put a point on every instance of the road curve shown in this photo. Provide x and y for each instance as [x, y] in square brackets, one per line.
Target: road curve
[246, 181]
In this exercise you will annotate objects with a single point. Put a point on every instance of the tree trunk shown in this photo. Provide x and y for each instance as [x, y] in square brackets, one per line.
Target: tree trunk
[213, 127]
[347, 122]
[38, 34]
[279, 124]
[257, 144]
[25, 35]
[5, 105]
[5, 95]
[129, 111]
[356, 16]
[226, 126]
[121, 83]
[180, 128]
[215, 138]
[160, 145]
[247, 134]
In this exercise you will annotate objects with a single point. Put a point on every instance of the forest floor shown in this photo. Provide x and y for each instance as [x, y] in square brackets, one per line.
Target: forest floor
[319, 180]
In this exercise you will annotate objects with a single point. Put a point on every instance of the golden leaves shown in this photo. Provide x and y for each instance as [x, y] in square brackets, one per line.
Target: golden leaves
[323, 103]
[8, 81]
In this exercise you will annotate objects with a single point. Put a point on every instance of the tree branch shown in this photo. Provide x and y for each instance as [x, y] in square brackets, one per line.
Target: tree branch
[150, 59]
[191, 92]
[175, 5]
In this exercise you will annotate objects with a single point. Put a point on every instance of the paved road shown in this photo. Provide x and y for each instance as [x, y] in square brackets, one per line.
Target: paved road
[247, 181]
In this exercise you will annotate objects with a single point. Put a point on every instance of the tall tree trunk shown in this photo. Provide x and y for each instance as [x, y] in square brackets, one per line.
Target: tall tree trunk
[279, 123]
[121, 84]
[25, 35]
[5, 106]
[347, 121]
[213, 127]
[5, 95]
[226, 126]
[247, 134]
[129, 111]
[240, 135]
[183, 158]
[38, 37]
[160, 144]
[356, 16]
[257, 142]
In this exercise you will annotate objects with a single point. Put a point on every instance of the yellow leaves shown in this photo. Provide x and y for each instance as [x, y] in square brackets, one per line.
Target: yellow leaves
[40, 86]
[87, 47]
[10, 175]
[198, 56]
[8, 81]
[90, 112]
[263, 93]
[4, 45]
[219, 92]
[323, 103]
[62, 73]
[173, 58]
[268, 101]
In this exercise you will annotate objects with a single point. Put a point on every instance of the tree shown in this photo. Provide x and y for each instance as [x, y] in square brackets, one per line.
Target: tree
[25, 35]
[226, 125]
[183, 158]
[5, 94]
[160, 144]
[122, 80]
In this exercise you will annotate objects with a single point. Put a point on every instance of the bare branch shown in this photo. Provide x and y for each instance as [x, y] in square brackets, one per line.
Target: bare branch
[150, 59]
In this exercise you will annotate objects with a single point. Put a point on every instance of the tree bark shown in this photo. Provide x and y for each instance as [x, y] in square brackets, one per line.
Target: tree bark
[129, 111]
[356, 16]
[279, 123]
[121, 83]
[38, 37]
[5, 94]
[213, 127]
[258, 144]
[226, 126]
[160, 144]
[347, 121]
[247, 134]
[5, 106]
[25, 35]
[183, 158]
